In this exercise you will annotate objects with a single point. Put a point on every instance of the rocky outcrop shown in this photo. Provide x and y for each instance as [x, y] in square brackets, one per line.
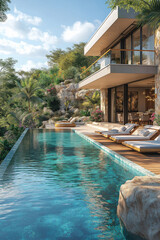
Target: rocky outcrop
[139, 207]
[68, 91]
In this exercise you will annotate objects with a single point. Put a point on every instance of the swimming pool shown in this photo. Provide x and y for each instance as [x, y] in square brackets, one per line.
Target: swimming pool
[60, 186]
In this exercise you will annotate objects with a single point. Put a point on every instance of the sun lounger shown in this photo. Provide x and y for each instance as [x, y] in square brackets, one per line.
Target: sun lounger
[144, 146]
[125, 130]
[145, 134]
[114, 129]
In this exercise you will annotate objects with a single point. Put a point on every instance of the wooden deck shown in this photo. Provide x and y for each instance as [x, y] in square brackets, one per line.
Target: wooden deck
[149, 161]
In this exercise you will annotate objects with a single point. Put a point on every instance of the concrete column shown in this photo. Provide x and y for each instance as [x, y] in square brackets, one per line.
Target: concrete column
[157, 77]
[104, 103]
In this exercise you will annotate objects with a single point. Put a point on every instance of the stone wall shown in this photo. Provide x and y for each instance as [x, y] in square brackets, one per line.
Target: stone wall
[157, 77]
[104, 103]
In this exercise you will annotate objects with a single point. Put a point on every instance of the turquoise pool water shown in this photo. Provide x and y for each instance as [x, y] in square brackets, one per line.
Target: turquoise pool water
[59, 186]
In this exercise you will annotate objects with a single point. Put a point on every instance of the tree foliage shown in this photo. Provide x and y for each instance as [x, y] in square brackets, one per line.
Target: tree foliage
[137, 5]
[150, 14]
[72, 57]
[3, 9]
[92, 101]
[28, 91]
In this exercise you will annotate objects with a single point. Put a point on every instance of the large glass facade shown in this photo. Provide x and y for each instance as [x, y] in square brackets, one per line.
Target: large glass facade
[116, 54]
[138, 49]
[147, 44]
[141, 42]
[128, 54]
[136, 46]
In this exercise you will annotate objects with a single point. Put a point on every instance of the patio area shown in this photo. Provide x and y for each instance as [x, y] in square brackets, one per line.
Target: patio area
[148, 161]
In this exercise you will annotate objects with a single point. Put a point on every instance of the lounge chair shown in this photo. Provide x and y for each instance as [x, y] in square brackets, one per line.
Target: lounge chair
[70, 123]
[145, 134]
[125, 130]
[114, 129]
[144, 146]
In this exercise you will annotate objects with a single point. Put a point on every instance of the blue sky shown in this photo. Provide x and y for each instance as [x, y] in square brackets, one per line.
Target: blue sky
[34, 27]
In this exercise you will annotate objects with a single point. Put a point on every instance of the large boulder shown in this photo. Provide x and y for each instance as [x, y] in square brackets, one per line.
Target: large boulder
[66, 93]
[139, 206]
[48, 110]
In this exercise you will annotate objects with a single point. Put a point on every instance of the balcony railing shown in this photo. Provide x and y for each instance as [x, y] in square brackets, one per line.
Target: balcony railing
[121, 56]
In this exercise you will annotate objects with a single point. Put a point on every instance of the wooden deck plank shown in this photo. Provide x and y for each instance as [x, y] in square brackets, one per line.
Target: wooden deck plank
[150, 161]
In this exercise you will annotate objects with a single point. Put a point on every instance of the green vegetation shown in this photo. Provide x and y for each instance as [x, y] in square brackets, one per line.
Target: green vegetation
[71, 63]
[29, 98]
[3, 9]
[92, 101]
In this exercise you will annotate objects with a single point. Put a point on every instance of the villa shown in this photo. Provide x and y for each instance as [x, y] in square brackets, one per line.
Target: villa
[127, 70]
[66, 176]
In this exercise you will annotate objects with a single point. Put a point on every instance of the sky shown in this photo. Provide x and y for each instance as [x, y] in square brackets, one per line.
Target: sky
[35, 27]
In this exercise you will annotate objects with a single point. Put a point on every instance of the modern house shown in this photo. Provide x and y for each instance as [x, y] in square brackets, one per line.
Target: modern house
[127, 70]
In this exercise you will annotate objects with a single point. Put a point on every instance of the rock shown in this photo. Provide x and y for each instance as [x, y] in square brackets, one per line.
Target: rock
[47, 110]
[76, 111]
[44, 123]
[10, 136]
[50, 121]
[68, 81]
[68, 91]
[73, 120]
[82, 93]
[139, 206]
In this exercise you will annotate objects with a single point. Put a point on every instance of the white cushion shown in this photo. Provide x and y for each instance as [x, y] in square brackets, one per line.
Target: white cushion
[146, 133]
[123, 129]
[157, 139]
[114, 130]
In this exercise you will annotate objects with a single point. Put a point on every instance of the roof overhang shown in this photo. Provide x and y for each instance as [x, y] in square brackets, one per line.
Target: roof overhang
[114, 26]
[117, 74]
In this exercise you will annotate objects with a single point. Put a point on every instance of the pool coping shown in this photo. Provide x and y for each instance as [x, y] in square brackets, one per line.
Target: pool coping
[8, 158]
[117, 157]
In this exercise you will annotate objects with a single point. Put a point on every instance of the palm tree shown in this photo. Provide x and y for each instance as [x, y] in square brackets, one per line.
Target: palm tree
[150, 14]
[92, 101]
[28, 91]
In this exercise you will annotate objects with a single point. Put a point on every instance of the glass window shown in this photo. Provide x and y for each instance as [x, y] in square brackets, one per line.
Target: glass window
[136, 46]
[128, 53]
[147, 44]
[115, 55]
[133, 101]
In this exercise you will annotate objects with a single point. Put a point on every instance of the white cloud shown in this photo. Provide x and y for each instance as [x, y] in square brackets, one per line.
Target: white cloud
[78, 32]
[21, 27]
[5, 52]
[30, 65]
[22, 48]
[26, 18]
[47, 39]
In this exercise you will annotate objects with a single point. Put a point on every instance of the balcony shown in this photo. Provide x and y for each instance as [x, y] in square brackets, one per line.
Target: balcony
[117, 67]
